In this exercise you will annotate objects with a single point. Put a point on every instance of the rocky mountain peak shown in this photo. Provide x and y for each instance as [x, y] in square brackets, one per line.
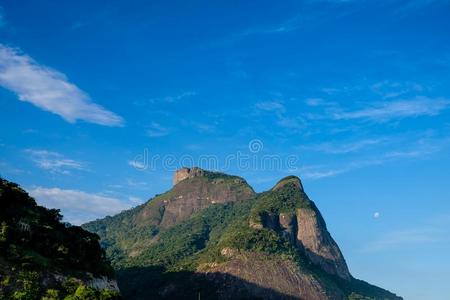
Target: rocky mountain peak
[289, 180]
[184, 173]
[288, 210]
[194, 190]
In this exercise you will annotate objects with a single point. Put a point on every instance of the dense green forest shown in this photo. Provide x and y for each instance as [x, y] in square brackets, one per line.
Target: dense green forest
[44, 258]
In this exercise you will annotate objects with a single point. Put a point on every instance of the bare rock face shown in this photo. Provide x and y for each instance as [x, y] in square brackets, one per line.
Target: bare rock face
[199, 192]
[318, 243]
[103, 283]
[185, 173]
[302, 224]
[288, 224]
[265, 277]
[194, 189]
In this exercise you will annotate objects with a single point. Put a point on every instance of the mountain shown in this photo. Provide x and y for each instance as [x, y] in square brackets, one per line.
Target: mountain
[131, 232]
[43, 258]
[212, 237]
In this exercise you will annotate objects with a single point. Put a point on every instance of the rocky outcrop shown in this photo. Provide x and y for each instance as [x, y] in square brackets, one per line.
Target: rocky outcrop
[265, 277]
[288, 224]
[99, 283]
[194, 190]
[318, 244]
[185, 173]
[103, 283]
[302, 224]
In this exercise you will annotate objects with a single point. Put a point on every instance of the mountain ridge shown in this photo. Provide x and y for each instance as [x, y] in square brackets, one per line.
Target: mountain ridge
[227, 248]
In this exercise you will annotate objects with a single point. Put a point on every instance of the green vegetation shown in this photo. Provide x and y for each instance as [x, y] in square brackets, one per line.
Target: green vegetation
[168, 258]
[285, 199]
[27, 287]
[354, 296]
[179, 244]
[134, 231]
[35, 244]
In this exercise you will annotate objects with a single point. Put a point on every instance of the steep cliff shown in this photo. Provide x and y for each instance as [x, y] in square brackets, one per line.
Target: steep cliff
[272, 245]
[195, 189]
[287, 209]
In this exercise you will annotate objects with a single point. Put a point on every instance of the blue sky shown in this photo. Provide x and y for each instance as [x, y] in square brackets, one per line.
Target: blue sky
[101, 101]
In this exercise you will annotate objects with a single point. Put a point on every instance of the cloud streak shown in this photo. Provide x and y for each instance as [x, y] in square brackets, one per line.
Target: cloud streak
[273, 106]
[77, 206]
[54, 161]
[278, 109]
[335, 148]
[385, 111]
[421, 150]
[157, 130]
[50, 90]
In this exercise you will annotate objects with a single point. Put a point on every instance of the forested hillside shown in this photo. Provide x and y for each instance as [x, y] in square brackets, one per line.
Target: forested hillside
[42, 257]
[272, 245]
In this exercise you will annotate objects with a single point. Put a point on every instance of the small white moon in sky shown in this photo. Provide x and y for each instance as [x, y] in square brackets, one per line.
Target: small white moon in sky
[376, 215]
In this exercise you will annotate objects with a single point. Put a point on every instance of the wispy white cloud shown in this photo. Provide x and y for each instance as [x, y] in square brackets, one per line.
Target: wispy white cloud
[330, 90]
[422, 149]
[7, 168]
[168, 99]
[157, 130]
[206, 125]
[135, 200]
[299, 21]
[203, 127]
[314, 101]
[49, 89]
[278, 109]
[384, 111]
[392, 89]
[275, 106]
[342, 148]
[283, 27]
[53, 161]
[136, 164]
[134, 183]
[409, 153]
[78, 206]
[319, 174]
[290, 122]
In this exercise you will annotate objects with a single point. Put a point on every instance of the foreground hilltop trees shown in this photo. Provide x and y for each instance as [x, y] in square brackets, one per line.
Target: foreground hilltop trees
[43, 258]
[212, 237]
